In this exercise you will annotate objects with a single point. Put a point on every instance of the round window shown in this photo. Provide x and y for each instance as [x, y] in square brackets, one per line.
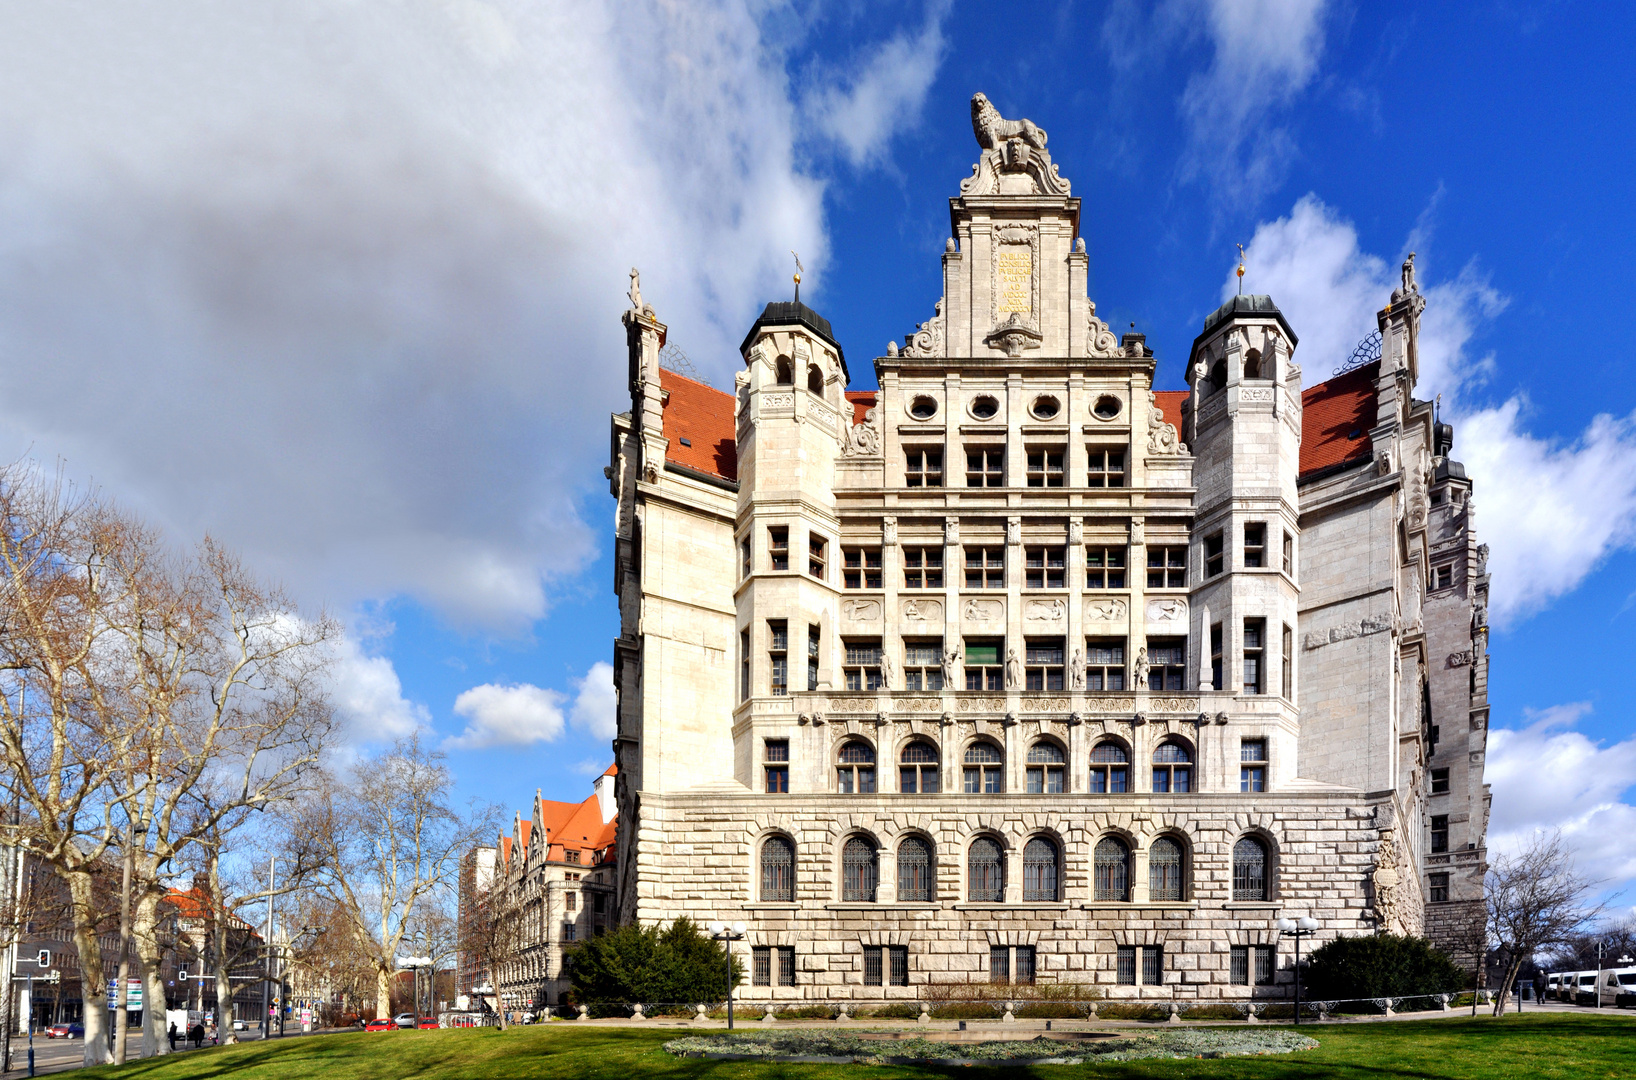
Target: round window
[1107, 407]
[1046, 407]
[923, 407]
[985, 407]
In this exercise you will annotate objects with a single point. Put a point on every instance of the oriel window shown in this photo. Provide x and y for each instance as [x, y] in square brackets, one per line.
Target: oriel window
[778, 653]
[1255, 544]
[778, 547]
[814, 639]
[1255, 633]
[1215, 657]
[1213, 561]
[1286, 663]
[817, 555]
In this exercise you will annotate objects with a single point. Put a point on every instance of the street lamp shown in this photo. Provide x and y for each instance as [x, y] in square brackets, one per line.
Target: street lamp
[1305, 926]
[414, 964]
[729, 934]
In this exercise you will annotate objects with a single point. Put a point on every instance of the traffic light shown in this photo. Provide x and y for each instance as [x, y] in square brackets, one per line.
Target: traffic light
[181, 974]
[44, 959]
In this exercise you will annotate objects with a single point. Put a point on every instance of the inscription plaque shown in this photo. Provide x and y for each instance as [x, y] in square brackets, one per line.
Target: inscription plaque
[1016, 279]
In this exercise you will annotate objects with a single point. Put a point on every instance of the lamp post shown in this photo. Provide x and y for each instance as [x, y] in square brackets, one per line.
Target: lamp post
[414, 964]
[729, 934]
[1305, 926]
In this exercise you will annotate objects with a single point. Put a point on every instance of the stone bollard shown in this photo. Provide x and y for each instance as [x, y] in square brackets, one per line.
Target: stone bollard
[584, 1012]
[1090, 1013]
[1010, 1016]
[545, 1012]
[700, 1013]
[1323, 1010]
[841, 1016]
[1386, 1003]
[925, 1014]
[770, 1015]
[636, 1013]
[1249, 1014]
[1443, 1002]
[1175, 1016]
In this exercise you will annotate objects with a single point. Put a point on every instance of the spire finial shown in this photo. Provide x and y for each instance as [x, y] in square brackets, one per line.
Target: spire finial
[798, 269]
[1241, 269]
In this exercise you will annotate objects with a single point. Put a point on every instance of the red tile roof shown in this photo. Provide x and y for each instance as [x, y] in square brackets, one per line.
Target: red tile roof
[1336, 417]
[703, 416]
[1170, 404]
[862, 402]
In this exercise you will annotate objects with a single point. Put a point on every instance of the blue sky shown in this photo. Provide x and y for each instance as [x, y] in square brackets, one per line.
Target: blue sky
[342, 287]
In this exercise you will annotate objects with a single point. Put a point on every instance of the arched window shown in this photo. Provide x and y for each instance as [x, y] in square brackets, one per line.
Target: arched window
[1112, 869]
[1252, 364]
[856, 771]
[777, 870]
[982, 772]
[1045, 771]
[985, 871]
[1172, 768]
[1110, 769]
[1040, 870]
[1218, 376]
[784, 373]
[815, 380]
[917, 768]
[859, 870]
[914, 870]
[1249, 869]
[1164, 870]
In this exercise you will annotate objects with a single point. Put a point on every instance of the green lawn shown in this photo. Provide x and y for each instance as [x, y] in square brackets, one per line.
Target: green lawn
[1527, 1047]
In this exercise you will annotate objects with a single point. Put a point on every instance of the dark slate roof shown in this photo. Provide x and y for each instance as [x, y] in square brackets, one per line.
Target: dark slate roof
[1252, 304]
[784, 312]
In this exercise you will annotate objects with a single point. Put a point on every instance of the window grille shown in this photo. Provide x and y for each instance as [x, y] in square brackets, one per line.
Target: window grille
[777, 870]
[1164, 861]
[1040, 870]
[872, 965]
[859, 871]
[1239, 965]
[1112, 869]
[1153, 965]
[999, 964]
[1264, 957]
[786, 965]
[1025, 964]
[1127, 965]
[985, 871]
[898, 965]
[1249, 869]
[1110, 769]
[762, 966]
[914, 871]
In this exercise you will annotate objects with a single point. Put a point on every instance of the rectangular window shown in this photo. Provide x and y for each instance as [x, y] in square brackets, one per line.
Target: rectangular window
[1440, 832]
[983, 669]
[999, 964]
[1167, 659]
[1025, 964]
[1239, 965]
[1104, 568]
[985, 467]
[573, 856]
[1105, 663]
[1045, 468]
[1252, 768]
[1439, 888]
[744, 555]
[1286, 663]
[572, 901]
[814, 638]
[1153, 965]
[568, 931]
[1167, 568]
[923, 568]
[923, 468]
[923, 665]
[1044, 664]
[1044, 567]
[1289, 555]
[1126, 975]
[778, 546]
[744, 665]
[761, 966]
[1212, 555]
[1255, 632]
[862, 667]
[1440, 781]
[1255, 544]
[1105, 468]
[1215, 657]
[775, 753]
[1265, 964]
[786, 965]
[985, 567]
[872, 965]
[778, 651]
[1445, 577]
[860, 568]
[897, 973]
[817, 555]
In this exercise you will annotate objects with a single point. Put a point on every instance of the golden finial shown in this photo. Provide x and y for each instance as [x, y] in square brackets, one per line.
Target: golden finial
[798, 269]
[1241, 269]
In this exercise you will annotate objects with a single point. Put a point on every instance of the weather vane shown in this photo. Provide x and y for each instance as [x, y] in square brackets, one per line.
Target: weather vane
[1241, 269]
[798, 269]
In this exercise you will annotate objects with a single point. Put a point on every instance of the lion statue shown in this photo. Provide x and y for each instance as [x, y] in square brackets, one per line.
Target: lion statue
[992, 129]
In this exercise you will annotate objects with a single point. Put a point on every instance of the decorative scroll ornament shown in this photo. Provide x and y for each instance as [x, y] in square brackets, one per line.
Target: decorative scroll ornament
[862, 440]
[1099, 340]
[1161, 437]
[929, 339]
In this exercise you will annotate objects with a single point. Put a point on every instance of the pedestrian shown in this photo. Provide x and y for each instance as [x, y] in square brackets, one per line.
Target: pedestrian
[196, 1035]
[173, 1034]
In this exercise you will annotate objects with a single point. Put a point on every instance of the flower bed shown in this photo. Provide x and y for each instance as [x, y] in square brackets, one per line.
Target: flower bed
[849, 1047]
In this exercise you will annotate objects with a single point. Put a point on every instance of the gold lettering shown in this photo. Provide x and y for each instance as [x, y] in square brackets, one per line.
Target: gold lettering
[1016, 278]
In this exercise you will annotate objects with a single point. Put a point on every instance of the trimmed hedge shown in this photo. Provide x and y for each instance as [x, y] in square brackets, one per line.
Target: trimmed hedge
[1380, 966]
[1116, 1010]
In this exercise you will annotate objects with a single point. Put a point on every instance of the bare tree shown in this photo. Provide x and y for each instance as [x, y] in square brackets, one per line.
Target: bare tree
[493, 930]
[1536, 901]
[393, 841]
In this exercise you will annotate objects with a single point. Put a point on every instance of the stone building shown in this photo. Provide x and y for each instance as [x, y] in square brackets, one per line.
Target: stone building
[1015, 669]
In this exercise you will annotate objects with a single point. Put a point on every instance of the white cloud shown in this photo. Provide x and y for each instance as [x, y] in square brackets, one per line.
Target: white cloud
[887, 92]
[516, 714]
[595, 703]
[1549, 776]
[368, 698]
[1550, 510]
[325, 279]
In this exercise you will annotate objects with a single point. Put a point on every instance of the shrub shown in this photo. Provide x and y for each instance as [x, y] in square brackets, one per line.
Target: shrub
[1049, 1010]
[1213, 1012]
[900, 1011]
[809, 1012]
[1119, 1010]
[965, 1010]
[650, 963]
[1380, 966]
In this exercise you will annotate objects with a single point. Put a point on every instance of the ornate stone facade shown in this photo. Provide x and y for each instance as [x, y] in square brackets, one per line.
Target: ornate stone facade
[1023, 669]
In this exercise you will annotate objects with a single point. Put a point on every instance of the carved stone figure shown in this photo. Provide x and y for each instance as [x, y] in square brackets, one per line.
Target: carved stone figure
[1045, 610]
[1387, 907]
[1013, 530]
[889, 530]
[1076, 671]
[1013, 670]
[951, 670]
[992, 129]
[1161, 436]
[1140, 669]
[1482, 559]
[888, 675]
[951, 530]
[636, 290]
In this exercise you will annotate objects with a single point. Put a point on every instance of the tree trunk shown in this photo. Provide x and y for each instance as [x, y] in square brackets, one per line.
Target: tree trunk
[383, 991]
[1500, 999]
[149, 958]
[93, 983]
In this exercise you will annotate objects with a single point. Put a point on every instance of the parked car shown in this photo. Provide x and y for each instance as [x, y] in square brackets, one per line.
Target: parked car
[404, 1020]
[380, 1023]
[65, 1031]
[427, 1023]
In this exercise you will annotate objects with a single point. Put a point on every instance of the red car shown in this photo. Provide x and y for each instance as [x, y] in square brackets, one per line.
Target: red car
[65, 1031]
[381, 1023]
[427, 1023]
